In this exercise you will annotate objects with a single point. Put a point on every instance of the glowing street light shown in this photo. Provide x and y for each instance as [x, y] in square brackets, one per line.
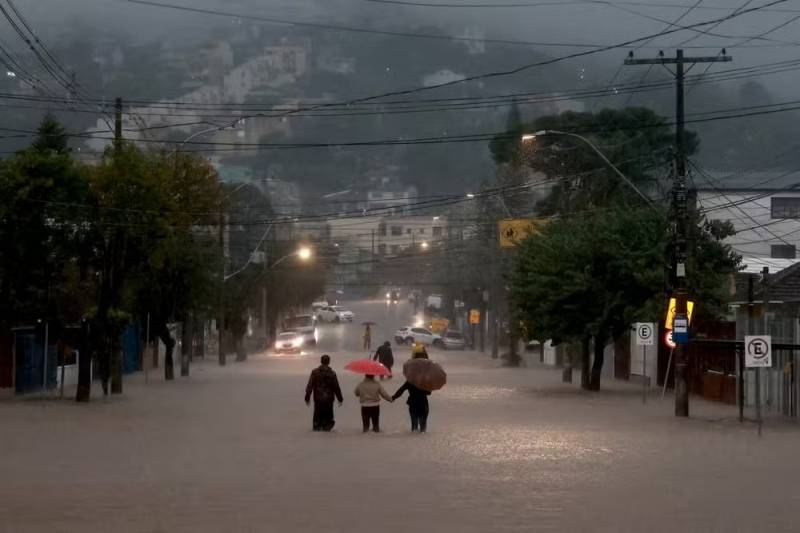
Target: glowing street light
[424, 245]
[304, 253]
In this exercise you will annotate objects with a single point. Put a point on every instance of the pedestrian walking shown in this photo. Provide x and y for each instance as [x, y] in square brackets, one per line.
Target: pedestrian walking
[369, 393]
[367, 337]
[323, 385]
[417, 402]
[385, 356]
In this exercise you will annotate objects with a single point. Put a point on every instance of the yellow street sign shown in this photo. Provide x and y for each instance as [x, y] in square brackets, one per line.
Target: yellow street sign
[671, 312]
[474, 316]
[514, 230]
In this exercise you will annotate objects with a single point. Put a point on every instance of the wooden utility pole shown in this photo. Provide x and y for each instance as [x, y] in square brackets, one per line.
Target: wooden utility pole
[221, 294]
[680, 197]
[117, 124]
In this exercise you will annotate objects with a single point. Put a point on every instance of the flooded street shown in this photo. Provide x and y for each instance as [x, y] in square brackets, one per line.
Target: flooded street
[507, 450]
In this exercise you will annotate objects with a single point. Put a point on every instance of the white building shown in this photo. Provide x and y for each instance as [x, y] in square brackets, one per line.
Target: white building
[399, 234]
[764, 209]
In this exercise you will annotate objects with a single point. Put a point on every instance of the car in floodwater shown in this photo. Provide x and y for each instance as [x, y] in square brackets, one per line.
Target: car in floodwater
[289, 342]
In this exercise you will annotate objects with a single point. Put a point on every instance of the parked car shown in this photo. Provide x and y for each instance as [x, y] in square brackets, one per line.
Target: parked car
[392, 296]
[289, 342]
[453, 340]
[305, 325]
[411, 335]
[334, 313]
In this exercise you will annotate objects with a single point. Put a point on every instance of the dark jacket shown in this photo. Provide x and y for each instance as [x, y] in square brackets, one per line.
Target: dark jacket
[384, 355]
[324, 385]
[416, 396]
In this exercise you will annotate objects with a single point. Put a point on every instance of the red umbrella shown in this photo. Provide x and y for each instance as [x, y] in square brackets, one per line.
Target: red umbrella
[367, 366]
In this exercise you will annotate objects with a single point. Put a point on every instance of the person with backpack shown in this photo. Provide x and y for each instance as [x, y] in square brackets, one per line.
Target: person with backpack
[323, 385]
[385, 357]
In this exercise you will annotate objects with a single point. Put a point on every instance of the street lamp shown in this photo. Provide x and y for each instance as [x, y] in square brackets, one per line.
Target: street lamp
[424, 245]
[531, 137]
[304, 253]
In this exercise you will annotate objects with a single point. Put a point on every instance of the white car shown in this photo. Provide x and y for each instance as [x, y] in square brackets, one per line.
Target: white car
[411, 335]
[289, 342]
[345, 314]
[305, 325]
[334, 313]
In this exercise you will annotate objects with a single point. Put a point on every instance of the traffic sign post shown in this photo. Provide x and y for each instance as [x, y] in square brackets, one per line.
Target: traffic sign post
[758, 351]
[680, 329]
[645, 333]
[645, 336]
[758, 355]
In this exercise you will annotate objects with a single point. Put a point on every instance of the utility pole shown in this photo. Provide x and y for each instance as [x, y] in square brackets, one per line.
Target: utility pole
[680, 196]
[764, 331]
[221, 295]
[117, 124]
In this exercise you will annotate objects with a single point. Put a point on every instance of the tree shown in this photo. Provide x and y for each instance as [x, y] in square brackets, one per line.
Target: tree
[50, 135]
[588, 277]
[179, 277]
[635, 139]
[42, 233]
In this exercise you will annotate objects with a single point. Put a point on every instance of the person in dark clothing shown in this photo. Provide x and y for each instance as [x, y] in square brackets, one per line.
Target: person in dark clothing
[323, 385]
[417, 405]
[385, 357]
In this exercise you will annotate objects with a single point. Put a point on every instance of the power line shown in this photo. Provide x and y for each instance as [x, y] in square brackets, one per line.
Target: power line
[550, 3]
[487, 75]
[352, 29]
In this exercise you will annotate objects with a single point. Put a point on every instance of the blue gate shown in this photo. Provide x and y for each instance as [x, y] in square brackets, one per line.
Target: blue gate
[30, 364]
[130, 349]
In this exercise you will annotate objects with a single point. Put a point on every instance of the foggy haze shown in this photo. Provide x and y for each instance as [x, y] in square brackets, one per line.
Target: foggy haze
[591, 23]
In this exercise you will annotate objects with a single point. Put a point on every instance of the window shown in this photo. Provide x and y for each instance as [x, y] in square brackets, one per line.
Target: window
[784, 251]
[408, 231]
[422, 231]
[382, 229]
[382, 249]
[397, 231]
[395, 249]
[437, 231]
[785, 207]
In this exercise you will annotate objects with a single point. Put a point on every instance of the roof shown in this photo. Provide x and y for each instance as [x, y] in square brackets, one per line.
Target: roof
[784, 282]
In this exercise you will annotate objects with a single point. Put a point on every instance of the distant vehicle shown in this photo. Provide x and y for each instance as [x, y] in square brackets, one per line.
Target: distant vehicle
[453, 340]
[434, 301]
[334, 313]
[346, 314]
[289, 342]
[393, 296]
[410, 335]
[305, 325]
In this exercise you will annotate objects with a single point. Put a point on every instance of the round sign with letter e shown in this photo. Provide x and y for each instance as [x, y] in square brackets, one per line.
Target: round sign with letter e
[645, 333]
[758, 351]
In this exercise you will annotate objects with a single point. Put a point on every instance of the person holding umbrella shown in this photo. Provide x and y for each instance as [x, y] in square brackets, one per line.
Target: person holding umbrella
[369, 393]
[422, 377]
[385, 357]
[367, 336]
[324, 386]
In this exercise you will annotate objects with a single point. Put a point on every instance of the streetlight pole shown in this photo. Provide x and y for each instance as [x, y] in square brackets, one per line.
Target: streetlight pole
[617, 171]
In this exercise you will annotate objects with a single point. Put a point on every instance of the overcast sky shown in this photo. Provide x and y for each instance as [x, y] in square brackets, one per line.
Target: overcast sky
[569, 21]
